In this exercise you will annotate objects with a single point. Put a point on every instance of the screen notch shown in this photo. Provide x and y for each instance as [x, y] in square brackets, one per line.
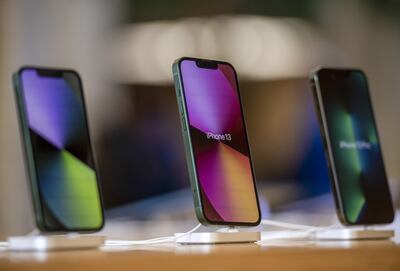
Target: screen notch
[49, 73]
[206, 64]
[339, 74]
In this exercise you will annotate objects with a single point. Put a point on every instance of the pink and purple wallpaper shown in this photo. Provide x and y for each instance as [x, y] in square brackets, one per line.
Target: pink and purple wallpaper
[219, 143]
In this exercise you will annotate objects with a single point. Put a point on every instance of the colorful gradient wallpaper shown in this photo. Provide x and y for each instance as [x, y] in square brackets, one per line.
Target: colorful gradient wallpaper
[357, 156]
[61, 150]
[219, 143]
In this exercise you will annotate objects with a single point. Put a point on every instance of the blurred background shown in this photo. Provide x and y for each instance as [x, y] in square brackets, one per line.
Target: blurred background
[124, 51]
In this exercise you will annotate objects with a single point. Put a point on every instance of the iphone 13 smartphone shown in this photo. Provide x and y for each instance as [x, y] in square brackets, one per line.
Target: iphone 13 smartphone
[216, 143]
[352, 147]
[58, 152]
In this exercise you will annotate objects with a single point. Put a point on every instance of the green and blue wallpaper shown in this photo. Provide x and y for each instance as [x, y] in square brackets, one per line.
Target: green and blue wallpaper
[63, 160]
[361, 177]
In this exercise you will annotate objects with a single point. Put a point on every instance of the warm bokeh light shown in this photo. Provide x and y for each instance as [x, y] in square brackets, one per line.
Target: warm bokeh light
[261, 48]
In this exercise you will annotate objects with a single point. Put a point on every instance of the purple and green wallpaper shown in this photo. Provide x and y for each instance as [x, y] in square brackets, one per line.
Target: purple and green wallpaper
[63, 159]
[219, 143]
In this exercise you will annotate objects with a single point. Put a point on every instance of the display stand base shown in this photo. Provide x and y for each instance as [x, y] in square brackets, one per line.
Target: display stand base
[54, 242]
[221, 237]
[352, 234]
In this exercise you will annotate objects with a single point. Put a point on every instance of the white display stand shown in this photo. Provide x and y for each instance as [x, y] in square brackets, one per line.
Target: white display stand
[222, 236]
[329, 234]
[348, 234]
[54, 242]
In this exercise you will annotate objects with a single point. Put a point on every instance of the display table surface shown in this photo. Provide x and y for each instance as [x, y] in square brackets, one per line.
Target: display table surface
[272, 255]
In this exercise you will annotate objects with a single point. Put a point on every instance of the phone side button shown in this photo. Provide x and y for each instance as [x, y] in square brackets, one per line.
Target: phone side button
[181, 107]
[176, 82]
[183, 124]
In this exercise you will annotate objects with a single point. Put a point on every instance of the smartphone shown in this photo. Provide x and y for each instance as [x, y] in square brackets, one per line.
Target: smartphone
[352, 147]
[216, 143]
[58, 153]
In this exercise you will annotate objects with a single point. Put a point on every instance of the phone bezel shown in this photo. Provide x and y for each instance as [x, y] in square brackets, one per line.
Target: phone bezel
[201, 215]
[316, 88]
[30, 163]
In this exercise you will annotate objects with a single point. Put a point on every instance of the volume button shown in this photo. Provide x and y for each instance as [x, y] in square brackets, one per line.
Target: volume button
[183, 123]
[176, 82]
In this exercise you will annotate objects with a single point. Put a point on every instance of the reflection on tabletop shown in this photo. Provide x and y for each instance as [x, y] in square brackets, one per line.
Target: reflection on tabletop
[302, 212]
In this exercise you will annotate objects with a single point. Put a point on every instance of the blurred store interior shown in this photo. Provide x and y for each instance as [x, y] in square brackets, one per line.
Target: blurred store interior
[124, 51]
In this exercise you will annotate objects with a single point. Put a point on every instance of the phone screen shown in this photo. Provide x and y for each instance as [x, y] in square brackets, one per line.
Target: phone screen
[357, 159]
[60, 149]
[219, 142]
